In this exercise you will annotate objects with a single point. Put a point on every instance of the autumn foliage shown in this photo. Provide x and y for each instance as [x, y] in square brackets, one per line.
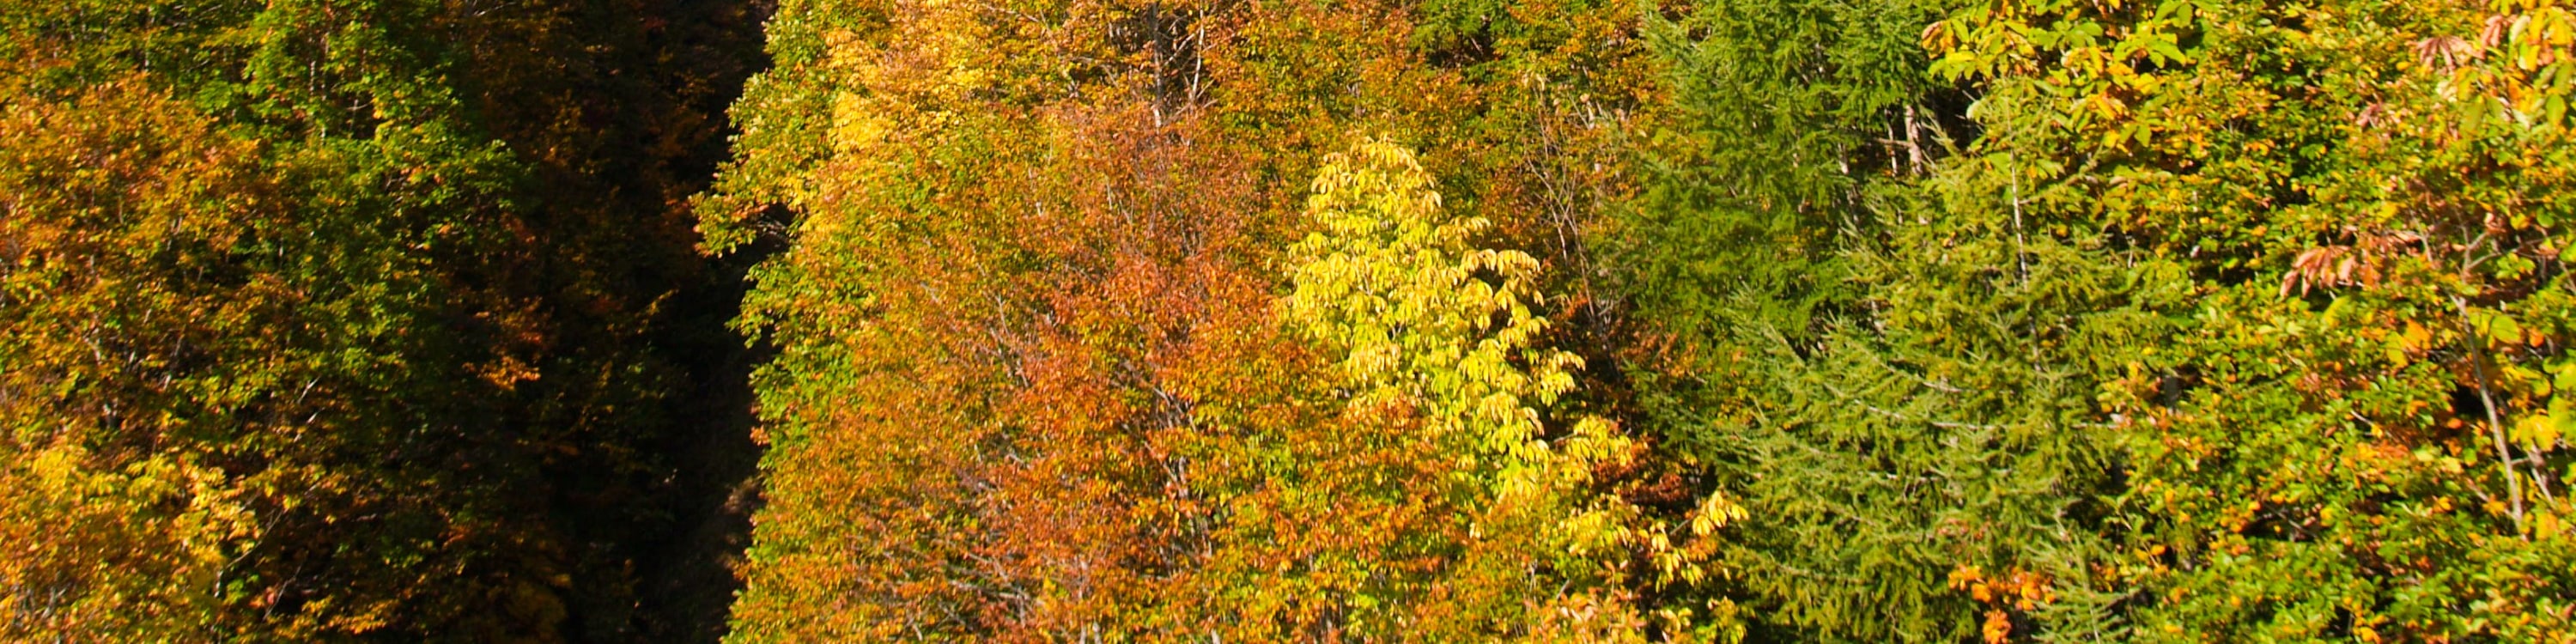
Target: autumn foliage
[1298, 320]
[300, 342]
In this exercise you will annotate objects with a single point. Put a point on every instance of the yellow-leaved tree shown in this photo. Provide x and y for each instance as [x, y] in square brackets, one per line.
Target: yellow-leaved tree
[1446, 431]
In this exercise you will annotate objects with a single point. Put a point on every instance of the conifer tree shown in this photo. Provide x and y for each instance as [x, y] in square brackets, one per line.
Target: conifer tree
[1898, 401]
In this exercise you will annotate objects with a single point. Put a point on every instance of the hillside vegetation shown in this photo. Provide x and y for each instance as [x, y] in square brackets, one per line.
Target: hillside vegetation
[1288, 320]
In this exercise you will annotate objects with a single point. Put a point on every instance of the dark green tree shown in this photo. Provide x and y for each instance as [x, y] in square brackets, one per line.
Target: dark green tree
[1895, 384]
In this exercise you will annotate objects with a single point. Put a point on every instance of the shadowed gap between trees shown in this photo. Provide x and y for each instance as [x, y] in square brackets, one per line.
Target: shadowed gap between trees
[647, 84]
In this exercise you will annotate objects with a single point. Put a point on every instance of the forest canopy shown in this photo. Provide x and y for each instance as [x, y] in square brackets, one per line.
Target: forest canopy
[1287, 320]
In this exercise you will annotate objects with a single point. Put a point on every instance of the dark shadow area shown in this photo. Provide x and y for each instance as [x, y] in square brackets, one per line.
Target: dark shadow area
[683, 565]
[687, 572]
[642, 421]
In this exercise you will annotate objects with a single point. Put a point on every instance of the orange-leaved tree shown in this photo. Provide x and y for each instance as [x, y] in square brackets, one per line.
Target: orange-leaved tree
[1037, 379]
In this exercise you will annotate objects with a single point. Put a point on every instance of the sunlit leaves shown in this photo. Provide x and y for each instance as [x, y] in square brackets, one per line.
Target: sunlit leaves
[269, 290]
[2361, 193]
[1031, 384]
[1435, 338]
